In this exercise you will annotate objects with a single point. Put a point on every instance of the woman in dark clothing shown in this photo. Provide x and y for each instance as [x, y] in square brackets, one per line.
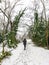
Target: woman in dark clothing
[24, 43]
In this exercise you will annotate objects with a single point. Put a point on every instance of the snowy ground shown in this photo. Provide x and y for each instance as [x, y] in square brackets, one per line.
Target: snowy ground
[31, 56]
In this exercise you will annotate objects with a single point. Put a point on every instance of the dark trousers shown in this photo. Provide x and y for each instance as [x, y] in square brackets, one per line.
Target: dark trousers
[24, 47]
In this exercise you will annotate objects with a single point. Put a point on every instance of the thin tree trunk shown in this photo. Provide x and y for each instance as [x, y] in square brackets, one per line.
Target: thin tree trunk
[3, 48]
[47, 34]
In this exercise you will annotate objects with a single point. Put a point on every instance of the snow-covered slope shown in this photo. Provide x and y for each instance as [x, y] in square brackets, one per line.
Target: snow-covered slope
[31, 56]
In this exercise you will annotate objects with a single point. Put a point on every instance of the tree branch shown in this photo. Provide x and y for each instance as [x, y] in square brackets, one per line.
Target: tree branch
[3, 12]
[44, 9]
[14, 5]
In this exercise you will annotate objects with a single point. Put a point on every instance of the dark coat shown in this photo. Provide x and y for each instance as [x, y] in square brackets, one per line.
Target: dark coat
[24, 42]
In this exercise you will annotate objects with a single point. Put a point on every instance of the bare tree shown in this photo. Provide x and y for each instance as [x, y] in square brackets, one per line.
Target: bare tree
[7, 12]
[44, 9]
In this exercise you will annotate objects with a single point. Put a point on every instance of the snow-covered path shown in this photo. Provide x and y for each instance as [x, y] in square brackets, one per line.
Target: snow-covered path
[31, 56]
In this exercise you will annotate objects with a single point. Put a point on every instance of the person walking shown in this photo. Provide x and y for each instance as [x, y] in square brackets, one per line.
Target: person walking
[24, 43]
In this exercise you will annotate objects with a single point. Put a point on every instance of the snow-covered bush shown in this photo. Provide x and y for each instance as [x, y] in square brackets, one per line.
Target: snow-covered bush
[38, 30]
[2, 56]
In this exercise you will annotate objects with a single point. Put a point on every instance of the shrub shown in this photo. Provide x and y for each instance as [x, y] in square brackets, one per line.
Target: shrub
[4, 55]
[38, 31]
